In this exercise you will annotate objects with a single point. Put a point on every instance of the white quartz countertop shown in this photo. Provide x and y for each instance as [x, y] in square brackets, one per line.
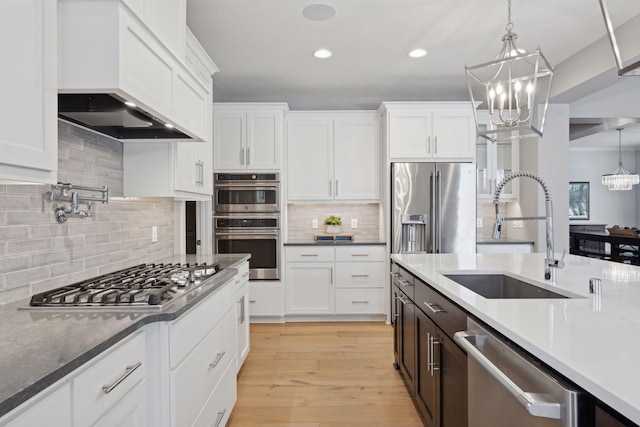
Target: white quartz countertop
[592, 340]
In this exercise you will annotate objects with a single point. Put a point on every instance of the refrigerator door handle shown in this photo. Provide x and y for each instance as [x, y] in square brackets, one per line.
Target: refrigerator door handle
[432, 207]
[438, 208]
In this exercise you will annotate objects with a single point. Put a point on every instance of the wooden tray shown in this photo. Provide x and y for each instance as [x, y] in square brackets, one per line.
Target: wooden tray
[622, 232]
[328, 237]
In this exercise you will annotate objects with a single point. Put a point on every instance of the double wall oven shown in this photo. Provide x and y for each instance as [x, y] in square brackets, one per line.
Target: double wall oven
[247, 220]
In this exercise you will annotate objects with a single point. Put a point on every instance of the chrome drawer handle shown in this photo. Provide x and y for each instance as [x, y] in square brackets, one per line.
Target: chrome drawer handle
[130, 369]
[434, 308]
[219, 418]
[405, 283]
[219, 357]
[359, 275]
[359, 254]
[252, 301]
[359, 302]
[308, 254]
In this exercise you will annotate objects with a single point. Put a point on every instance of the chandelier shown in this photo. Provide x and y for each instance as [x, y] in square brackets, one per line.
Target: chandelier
[629, 70]
[620, 179]
[511, 87]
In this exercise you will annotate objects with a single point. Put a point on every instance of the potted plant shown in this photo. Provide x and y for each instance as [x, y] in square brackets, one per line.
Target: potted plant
[333, 224]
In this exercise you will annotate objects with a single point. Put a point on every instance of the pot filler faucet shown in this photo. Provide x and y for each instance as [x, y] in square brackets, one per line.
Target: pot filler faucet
[551, 264]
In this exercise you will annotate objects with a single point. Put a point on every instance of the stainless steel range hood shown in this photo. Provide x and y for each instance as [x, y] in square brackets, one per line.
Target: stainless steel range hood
[109, 115]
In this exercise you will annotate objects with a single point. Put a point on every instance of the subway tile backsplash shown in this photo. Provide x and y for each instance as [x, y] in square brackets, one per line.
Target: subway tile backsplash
[38, 254]
[487, 211]
[300, 216]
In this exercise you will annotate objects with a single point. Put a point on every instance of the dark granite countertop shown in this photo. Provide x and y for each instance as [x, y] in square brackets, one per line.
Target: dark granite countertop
[38, 346]
[503, 242]
[311, 242]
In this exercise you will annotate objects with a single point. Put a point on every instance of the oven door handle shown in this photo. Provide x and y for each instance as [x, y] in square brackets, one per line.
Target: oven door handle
[243, 216]
[246, 187]
[249, 234]
[537, 404]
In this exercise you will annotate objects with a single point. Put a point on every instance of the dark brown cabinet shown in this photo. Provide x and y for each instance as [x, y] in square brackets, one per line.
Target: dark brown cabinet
[433, 366]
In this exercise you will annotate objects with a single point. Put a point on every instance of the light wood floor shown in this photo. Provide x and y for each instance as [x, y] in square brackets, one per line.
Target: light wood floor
[322, 375]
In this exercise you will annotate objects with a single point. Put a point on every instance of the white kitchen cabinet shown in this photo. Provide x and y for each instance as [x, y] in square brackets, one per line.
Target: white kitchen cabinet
[429, 131]
[242, 311]
[266, 302]
[343, 280]
[333, 156]
[168, 169]
[248, 136]
[106, 47]
[51, 407]
[109, 380]
[494, 161]
[29, 133]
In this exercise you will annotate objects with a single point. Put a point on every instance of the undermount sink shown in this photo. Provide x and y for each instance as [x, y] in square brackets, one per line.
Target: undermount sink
[501, 286]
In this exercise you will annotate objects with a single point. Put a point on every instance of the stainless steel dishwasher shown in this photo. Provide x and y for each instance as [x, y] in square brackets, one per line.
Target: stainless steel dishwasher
[507, 387]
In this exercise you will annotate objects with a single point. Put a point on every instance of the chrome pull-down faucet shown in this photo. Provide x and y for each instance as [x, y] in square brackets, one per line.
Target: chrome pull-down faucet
[551, 264]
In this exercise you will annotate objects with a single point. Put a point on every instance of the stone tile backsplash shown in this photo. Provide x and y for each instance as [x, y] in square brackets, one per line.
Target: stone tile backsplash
[38, 254]
[300, 216]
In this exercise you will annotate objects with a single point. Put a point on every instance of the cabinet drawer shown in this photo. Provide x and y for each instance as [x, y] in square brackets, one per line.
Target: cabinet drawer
[90, 399]
[265, 299]
[198, 375]
[360, 253]
[310, 254]
[186, 332]
[217, 410]
[403, 280]
[451, 319]
[360, 274]
[360, 301]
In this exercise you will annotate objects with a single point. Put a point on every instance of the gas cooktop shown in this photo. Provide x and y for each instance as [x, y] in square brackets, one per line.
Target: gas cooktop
[141, 286]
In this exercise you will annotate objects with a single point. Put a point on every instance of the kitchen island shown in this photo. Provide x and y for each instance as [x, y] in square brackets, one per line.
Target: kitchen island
[589, 339]
[42, 346]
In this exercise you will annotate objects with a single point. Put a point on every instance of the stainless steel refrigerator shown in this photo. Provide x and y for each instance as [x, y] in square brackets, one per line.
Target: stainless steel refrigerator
[433, 208]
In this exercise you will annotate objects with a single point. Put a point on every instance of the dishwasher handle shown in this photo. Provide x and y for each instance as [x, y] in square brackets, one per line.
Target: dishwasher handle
[537, 404]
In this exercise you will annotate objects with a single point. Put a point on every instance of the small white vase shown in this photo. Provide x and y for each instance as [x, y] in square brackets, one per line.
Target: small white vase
[331, 229]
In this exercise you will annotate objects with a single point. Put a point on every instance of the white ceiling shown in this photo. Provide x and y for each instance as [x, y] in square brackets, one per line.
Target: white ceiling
[264, 47]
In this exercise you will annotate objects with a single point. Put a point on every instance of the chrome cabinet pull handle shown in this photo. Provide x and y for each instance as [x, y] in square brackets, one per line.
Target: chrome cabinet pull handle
[248, 156]
[252, 301]
[219, 357]
[330, 189]
[429, 145]
[435, 151]
[404, 283]
[434, 308]
[429, 352]
[219, 418]
[336, 187]
[308, 254]
[359, 275]
[128, 371]
[359, 302]
[363, 255]
[242, 156]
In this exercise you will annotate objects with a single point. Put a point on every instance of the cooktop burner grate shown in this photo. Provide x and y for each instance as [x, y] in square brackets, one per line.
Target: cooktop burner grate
[149, 285]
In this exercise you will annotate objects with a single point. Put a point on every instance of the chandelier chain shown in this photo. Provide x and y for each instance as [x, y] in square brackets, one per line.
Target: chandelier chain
[509, 25]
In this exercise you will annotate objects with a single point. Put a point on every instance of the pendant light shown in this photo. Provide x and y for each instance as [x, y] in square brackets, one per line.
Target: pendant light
[510, 87]
[620, 179]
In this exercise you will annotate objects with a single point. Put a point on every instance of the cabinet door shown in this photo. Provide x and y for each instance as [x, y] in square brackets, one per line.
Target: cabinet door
[453, 371]
[310, 288]
[243, 325]
[187, 167]
[28, 137]
[131, 411]
[51, 410]
[428, 372]
[405, 329]
[167, 19]
[229, 140]
[357, 159]
[410, 134]
[454, 135]
[264, 139]
[310, 159]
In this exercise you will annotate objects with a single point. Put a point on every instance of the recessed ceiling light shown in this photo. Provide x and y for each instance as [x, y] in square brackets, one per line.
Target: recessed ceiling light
[169, 125]
[129, 104]
[319, 12]
[322, 54]
[417, 53]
